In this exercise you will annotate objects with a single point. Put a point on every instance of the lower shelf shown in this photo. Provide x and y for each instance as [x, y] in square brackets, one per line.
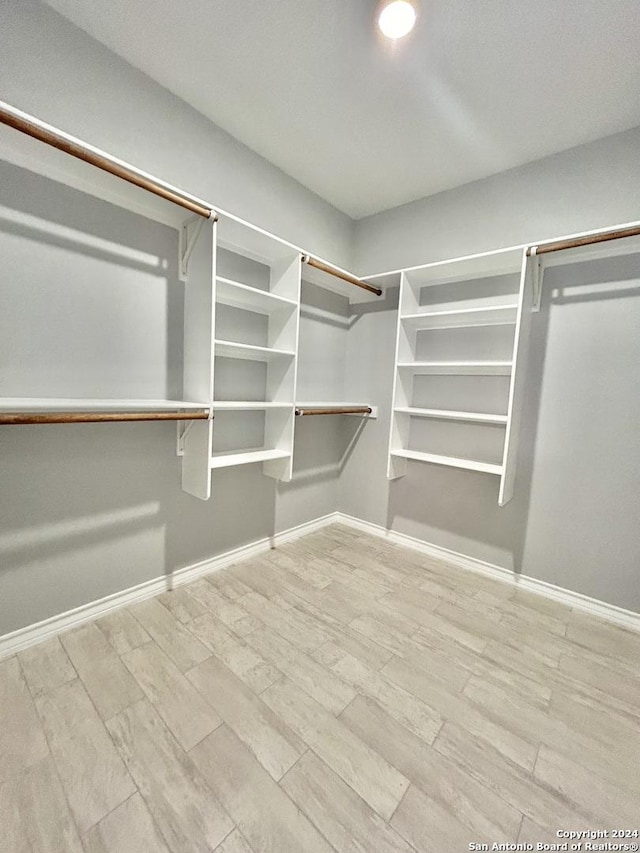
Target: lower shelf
[245, 457]
[451, 461]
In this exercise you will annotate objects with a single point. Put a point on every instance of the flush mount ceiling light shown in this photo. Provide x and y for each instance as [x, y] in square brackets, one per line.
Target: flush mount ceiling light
[397, 19]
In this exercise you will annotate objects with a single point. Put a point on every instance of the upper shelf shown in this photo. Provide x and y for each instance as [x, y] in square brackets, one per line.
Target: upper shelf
[22, 150]
[466, 268]
[590, 251]
[496, 315]
[239, 295]
[76, 404]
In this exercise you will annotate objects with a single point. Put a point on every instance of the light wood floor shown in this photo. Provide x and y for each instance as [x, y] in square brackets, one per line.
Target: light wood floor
[339, 694]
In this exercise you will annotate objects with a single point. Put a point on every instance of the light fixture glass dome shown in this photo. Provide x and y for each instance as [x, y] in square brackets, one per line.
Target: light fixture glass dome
[397, 19]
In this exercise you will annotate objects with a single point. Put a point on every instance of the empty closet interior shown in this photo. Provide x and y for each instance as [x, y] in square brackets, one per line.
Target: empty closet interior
[319, 446]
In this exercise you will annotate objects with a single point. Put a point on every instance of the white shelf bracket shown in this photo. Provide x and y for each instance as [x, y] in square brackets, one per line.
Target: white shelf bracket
[183, 428]
[187, 242]
[182, 431]
[536, 278]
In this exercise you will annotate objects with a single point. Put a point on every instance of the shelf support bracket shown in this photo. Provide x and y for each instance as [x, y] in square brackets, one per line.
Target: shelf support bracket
[537, 276]
[183, 428]
[187, 242]
[182, 431]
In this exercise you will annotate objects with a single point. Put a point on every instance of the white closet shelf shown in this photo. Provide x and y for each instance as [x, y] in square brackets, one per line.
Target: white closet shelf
[246, 457]
[490, 315]
[230, 349]
[450, 415]
[469, 267]
[349, 404]
[28, 153]
[468, 368]
[240, 295]
[246, 406]
[84, 404]
[450, 461]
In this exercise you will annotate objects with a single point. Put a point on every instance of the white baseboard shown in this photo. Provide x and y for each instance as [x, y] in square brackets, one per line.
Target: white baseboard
[610, 612]
[24, 637]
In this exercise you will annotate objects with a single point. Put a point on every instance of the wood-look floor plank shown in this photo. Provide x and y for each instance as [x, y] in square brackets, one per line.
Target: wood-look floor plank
[267, 818]
[103, 674]
[610, 756]
[172, 636]
[22, 741]
[227, 585]
[273, 743]
[518, 748]
[46, 666]
[122, 630]
[34, 814]
[183, 806]
[231, 613]
[128, 828]
[343, 817]
[302, 568]
[92, 773]
[403, 706]
[471, 802]
[604, 637]
[294, 626]
[235, 654]
[602, 679]
[448, 664]
[179, 704]
[377, 782]
[429, 826]
[480, 761]
[318, 681]
[182, 605]
[235, 842]
[605, 804]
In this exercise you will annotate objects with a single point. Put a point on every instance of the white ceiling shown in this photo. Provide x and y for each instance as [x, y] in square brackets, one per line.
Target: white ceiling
[480, 86]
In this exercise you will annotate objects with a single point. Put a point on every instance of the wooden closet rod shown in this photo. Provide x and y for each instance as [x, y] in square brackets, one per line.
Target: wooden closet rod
[587, 240]
[50, 136]
[350, 279]
[356, 410]
[13, 418]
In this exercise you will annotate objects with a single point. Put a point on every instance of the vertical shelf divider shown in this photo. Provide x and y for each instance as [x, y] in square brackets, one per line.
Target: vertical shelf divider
[286, 281]
[199, 331]
[518, 379]
[399, 425]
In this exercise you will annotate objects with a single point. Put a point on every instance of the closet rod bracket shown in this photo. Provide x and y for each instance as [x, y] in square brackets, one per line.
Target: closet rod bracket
[188, 237]
[537, 275]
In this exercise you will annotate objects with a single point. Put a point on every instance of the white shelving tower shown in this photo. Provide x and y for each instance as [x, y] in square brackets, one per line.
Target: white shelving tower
[279, 306]
[458, 422]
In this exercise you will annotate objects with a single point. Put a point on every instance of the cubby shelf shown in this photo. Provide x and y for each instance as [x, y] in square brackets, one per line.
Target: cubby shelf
[231, 349]
[450, 461]
[239, 295]
[450, 415]
[490, 315]
[246, 457]
[468, 368]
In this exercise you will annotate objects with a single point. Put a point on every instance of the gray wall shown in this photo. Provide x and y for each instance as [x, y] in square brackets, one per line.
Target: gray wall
[88, 510]
[52, 69]
[574, 518]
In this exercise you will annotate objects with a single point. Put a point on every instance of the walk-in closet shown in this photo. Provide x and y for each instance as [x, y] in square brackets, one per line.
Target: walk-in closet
[319, 445]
